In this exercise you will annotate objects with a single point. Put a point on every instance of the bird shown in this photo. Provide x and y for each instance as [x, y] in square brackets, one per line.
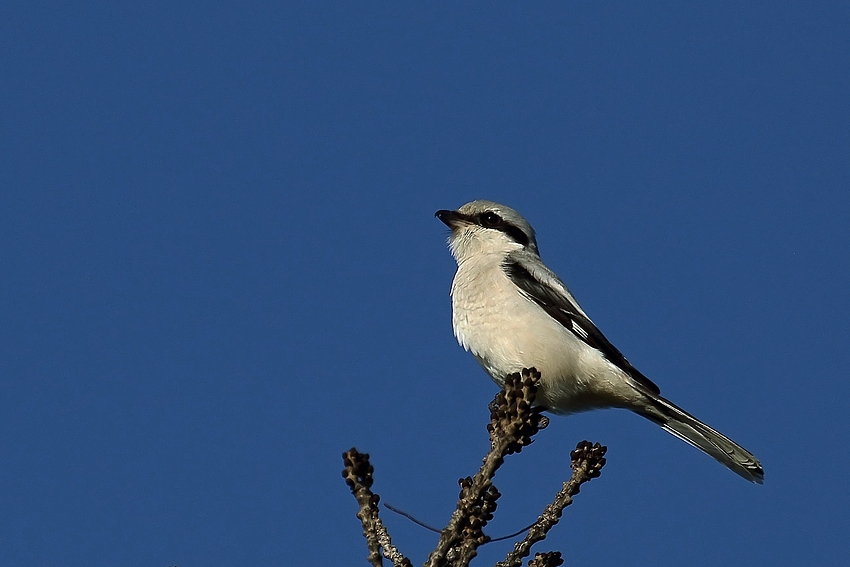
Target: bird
[512, 313]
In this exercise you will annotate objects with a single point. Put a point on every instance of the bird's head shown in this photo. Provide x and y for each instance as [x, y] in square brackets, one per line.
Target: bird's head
[484, 227]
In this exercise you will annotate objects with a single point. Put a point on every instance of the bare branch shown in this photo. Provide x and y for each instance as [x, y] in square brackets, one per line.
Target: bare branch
[472, 534]
[513, 422]
[391, 552]
[587, 462]
[358, 476]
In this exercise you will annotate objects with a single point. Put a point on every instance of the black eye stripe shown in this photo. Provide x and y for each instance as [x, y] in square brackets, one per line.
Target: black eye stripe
[489, 219]
[514, 233]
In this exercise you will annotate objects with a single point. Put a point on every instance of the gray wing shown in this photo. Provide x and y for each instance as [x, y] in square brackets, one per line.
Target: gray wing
[550, 293]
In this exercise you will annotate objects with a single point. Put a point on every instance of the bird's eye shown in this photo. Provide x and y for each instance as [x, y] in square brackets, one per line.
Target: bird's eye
[490, 218]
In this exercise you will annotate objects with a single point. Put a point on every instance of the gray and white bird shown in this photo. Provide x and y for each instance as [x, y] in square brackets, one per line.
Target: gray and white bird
[512, 312]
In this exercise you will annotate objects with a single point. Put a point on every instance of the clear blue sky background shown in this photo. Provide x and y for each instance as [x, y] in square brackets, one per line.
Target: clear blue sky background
[219, 268]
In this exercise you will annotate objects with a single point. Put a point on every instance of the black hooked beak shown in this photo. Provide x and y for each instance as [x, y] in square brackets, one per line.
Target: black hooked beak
[451, 219]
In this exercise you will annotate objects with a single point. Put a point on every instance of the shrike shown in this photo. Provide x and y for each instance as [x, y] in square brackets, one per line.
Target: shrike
[512, 312]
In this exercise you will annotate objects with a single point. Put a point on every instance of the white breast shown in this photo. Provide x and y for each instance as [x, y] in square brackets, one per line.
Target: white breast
[506, 332]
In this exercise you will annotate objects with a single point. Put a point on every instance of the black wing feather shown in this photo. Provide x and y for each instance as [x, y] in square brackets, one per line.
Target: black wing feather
[567, 314]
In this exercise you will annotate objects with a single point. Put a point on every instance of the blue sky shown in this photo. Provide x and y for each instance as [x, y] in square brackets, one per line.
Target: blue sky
[219, 269]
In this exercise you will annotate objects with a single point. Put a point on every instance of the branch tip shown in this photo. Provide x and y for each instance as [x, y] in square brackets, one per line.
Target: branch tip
[513, 415]
[549, 559]
[589, 458]
[514, 420]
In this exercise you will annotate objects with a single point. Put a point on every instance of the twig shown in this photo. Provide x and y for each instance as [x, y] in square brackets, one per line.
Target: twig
[410, 517]
[422, 524]
[587, 462]
[513, 422]
[358, 476]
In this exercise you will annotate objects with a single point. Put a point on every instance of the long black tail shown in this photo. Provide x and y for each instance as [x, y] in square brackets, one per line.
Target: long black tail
[686, 427]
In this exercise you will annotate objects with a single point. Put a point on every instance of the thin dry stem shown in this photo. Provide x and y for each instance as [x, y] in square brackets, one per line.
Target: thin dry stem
[587, 462]
[513, 422]
[358, 476]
